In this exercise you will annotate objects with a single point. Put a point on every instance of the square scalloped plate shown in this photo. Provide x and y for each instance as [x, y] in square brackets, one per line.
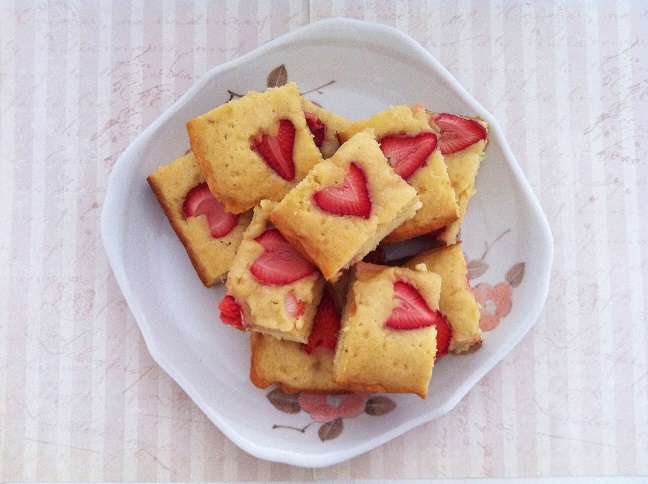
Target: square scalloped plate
[178, 316]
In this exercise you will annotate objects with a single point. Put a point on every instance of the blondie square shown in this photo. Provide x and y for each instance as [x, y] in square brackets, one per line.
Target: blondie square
[210, 235]
[254, 148]
[325, 126]
[410, 145]
[271, 287]
[345, 206]
[395, 119]
[462, 140]
[295, 366]
[391, 330]
[456, 302]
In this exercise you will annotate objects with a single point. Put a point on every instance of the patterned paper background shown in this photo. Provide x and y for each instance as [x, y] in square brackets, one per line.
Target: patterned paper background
[81, 398]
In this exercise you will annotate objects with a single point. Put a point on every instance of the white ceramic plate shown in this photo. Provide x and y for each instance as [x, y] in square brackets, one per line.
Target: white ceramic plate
[506, 238]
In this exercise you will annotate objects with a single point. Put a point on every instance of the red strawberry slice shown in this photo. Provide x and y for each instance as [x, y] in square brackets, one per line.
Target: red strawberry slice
[326, 326]
[413, 312]
[444, 335]
[280, 263]
[277, 151]
[294, 306]
[317, 128]
[231, 312]
[458, 133]
[352, 198]
[405, 153]
[200, 201]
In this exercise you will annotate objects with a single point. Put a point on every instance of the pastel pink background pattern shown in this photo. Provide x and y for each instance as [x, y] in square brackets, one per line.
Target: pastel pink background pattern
[80, 397]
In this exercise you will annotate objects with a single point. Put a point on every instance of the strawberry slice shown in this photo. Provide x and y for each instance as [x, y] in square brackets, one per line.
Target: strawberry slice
[277, 151]
[458, 133]
[231, 312]
[317, 128]
[352, 198]
[413, 312]
[444, 335]
[200, 201]
[326, 326]
[406, 153]
[294, 306]
[280, 263]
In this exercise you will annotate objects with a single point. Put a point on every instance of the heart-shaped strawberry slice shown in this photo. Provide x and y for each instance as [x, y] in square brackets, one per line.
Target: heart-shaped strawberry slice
[200, 201]
[277, 151]
[352, 198]
[406, 153]
[316, 127]
[326, 326]
[413, 312]
[280, 263]
[458, 133]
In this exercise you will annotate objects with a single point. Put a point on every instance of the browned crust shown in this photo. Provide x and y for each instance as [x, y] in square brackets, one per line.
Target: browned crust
[255, 377]
[172, 217]
[289, 389]
[259, 381]
[377, 388]
[403, 232]
[342, 137]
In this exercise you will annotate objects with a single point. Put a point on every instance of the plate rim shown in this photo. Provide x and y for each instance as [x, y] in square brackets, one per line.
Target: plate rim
[114, 240]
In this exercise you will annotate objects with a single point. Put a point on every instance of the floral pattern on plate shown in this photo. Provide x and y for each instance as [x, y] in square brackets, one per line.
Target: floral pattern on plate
[329, 410]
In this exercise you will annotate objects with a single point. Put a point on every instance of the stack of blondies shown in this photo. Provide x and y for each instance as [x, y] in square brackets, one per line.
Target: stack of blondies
[291, 205]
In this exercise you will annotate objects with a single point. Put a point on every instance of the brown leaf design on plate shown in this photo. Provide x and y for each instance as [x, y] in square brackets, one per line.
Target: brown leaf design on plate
[287, 403]
[278, 76]
[476, 268]
[331, 430]
[515, 274]
[379, 405]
